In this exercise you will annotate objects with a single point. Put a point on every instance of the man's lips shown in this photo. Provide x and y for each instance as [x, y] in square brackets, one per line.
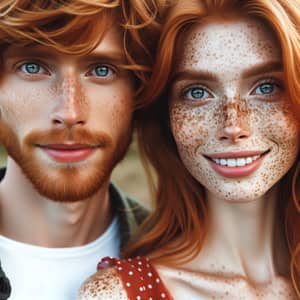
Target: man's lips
[236, 164]
[67, 153]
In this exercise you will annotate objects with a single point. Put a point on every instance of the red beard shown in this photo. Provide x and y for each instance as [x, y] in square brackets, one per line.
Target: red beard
[65, 182]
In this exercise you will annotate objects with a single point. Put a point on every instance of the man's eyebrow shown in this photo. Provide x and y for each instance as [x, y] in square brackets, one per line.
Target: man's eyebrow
[265, 67]
[111, 56]
[194, 75]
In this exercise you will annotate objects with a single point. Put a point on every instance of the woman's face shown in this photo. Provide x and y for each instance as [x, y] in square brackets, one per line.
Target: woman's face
[229, 109]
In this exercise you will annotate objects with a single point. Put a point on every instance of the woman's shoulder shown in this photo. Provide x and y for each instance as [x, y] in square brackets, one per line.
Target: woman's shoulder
[124, 279]
[106, 284]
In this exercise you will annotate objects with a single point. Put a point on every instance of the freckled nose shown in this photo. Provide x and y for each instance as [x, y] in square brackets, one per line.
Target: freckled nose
[70, 109]
[234, 133]
[235, 122]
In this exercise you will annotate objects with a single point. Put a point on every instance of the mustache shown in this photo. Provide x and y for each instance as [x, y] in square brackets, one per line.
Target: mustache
[62, 136]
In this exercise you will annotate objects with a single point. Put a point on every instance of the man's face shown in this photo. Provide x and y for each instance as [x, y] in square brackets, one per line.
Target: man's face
[229, 109]
[66, 120]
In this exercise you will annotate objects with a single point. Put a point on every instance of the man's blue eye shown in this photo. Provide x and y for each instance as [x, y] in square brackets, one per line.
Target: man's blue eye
[103, 71]
[196, 93]
[264, 89]
[31, 68]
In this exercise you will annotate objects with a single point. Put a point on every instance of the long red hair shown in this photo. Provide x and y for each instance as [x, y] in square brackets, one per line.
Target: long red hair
[176, 229]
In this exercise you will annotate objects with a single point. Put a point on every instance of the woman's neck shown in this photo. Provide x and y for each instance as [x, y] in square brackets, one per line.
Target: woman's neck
[245, 239]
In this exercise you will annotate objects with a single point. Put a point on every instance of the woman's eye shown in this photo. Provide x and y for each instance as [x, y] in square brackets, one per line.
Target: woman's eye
[266, 88]
[102, 71]
[196, 93]
[32, 68]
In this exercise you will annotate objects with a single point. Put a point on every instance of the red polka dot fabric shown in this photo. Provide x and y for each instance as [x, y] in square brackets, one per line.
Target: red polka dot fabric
[139, 278]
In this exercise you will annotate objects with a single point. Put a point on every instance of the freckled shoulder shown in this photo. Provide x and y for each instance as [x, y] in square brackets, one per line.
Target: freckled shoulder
[106, 284]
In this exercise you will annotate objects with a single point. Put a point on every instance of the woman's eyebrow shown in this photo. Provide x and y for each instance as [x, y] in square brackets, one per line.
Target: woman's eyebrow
[265, 67]
[194, 75]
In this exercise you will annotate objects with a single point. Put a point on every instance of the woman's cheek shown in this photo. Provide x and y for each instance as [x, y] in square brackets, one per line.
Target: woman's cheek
[278, 122]
[189, 127]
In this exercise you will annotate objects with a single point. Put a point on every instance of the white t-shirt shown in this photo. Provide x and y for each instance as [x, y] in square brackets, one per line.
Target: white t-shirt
[40, 273]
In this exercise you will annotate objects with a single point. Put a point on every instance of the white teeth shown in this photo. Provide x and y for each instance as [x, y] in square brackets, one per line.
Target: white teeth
[248, 160]
[231, 162]
[235, 162]
[241, 162]
[223, 162]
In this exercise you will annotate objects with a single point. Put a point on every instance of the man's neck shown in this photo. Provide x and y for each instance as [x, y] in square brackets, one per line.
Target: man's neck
[28, 217]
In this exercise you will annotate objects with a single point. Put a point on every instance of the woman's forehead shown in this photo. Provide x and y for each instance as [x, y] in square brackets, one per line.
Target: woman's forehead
[227, 44]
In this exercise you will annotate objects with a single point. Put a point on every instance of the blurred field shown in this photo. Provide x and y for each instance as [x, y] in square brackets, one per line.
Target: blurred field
[2, 156]
[128, 175]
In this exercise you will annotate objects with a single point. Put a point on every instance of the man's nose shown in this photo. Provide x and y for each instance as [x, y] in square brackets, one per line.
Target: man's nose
[235, 121]
[71, 108]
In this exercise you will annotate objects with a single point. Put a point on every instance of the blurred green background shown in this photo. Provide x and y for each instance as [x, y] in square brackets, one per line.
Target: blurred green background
[2, 156]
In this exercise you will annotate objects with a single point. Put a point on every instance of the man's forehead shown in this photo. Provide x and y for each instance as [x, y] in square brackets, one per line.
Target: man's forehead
[30, 48]
[111, 42]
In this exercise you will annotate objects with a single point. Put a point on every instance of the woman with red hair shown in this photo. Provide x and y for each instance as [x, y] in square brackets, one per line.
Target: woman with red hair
[221, 130]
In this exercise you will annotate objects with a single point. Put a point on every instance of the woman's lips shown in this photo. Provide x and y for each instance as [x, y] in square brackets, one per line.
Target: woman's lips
[239, 164]
[68, 153]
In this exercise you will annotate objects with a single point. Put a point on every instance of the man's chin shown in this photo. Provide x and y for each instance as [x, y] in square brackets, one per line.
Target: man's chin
[68, 185]
[60, 194]
[69, 191]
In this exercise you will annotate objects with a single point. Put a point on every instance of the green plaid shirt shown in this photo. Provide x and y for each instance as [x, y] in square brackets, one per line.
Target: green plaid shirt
[129, 212]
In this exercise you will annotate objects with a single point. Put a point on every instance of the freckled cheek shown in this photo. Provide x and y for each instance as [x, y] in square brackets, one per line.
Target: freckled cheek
[122, 112]
[113, 108]
[280, 126]
[266, 116]
[277, 124]
[189, 127]
[286, 134]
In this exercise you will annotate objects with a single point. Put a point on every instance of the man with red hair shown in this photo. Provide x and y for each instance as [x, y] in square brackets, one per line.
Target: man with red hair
[69, 86]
